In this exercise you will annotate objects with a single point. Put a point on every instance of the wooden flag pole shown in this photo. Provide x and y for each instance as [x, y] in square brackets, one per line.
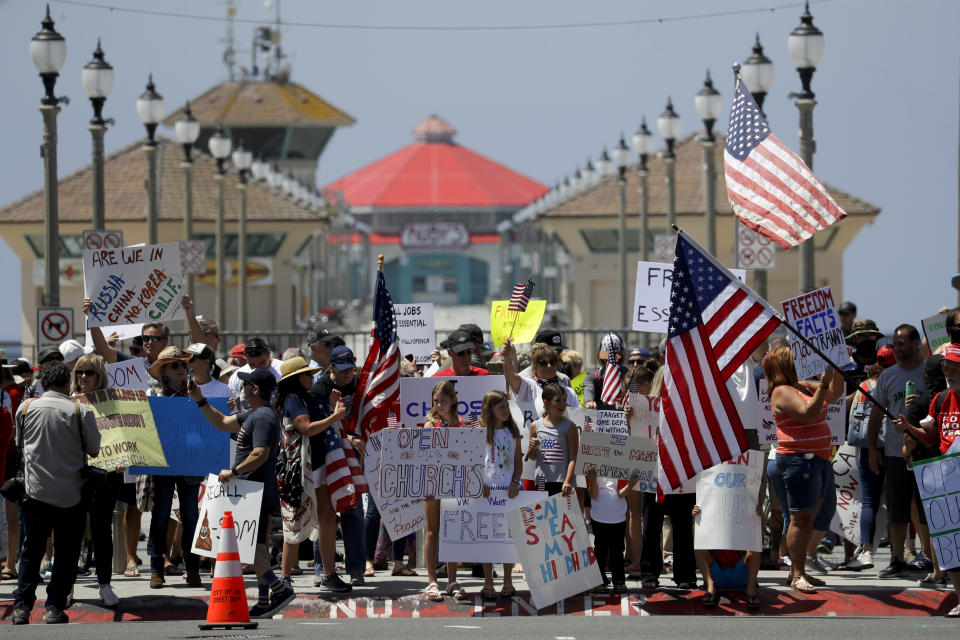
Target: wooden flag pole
[516, 315]
[380, 262]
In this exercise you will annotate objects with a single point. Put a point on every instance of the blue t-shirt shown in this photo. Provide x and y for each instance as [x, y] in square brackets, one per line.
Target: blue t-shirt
[261, 428]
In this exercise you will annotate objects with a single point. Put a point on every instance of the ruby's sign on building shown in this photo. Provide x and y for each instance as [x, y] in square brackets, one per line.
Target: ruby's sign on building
[440, 235]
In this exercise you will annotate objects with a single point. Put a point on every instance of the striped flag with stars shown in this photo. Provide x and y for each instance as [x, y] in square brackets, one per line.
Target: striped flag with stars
[770, 189]
[521, 296]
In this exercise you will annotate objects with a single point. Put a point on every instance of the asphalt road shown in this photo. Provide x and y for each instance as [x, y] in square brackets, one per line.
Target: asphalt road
[546, 628]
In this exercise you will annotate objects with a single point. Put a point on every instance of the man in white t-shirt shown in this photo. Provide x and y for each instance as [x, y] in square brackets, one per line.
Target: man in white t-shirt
[201, 364]
[258, 357]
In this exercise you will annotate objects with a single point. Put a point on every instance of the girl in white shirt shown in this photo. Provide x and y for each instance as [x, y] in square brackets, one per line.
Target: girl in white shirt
[608, 517]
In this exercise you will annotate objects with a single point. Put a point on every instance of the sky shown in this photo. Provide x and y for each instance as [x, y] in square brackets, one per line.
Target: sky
[543, 100]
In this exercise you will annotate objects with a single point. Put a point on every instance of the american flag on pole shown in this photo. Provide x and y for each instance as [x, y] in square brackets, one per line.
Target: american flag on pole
[344, 475]
[770, 189]
[612, 380]
[520, 296]
[378, 387]
[715, 324]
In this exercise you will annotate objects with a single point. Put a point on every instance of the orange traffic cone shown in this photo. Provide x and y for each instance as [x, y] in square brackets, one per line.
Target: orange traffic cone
[228, 598]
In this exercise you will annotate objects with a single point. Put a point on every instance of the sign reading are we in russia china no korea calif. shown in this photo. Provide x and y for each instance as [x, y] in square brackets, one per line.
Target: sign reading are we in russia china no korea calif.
[133, 284]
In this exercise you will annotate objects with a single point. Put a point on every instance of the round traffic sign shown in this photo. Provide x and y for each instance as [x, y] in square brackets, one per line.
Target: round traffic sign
[111, 240]
[92, 241]
[747, 257]
[55, 326]
[765, 256]
[746, 236]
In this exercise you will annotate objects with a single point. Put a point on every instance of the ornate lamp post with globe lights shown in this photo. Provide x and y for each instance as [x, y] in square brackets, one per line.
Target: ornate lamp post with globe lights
[219, 145]
[188, 130]
[97, 78]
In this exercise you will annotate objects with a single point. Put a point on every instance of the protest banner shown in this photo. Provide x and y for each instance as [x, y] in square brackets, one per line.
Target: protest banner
[553, 546]
[846, 478]
[939, 482]
[814, 315]
[651, 301]
[416, 396]
[935, 330]
[123, 331]
[192, 446]
[129, 374]
[132, 285]
[476, 530]
[438, 462]
[400, 516]
[605, 421]
[527, 322]
[618, 456]
[128, 435]
[836, 419]
[415, 330]
[523, 414]
[243, 498]
[645, 422]
[728, 494]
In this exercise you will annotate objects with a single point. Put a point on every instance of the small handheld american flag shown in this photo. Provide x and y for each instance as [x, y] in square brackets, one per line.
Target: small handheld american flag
[521, 296]
[612, 380]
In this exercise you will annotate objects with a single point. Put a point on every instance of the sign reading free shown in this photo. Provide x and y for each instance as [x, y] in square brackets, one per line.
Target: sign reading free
[651, 306]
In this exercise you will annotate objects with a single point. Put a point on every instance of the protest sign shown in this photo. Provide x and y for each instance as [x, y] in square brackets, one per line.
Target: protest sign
[476, 530]
[123, 331]
[129, 374]
[837, 420]
[132, 285]
[416, 396]
[523, 414]
[767, 432]
[554, 548]
[846, 478]
[645, 422]
[939, 482]
[935, 330]
[192, 446]
[651, 302]
[618, 456]
[243, 498]
[438, 462]
[814, 315]
[527, 322]
[727, 495]
[415, 330]
[128, 435]
[400, 516]
[605, 421]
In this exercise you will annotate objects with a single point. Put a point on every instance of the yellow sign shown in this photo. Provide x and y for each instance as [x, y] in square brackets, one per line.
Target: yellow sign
[527, 322]
[128, 434]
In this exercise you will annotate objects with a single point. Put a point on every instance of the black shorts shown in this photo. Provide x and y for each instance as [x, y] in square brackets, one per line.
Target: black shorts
[901, 488]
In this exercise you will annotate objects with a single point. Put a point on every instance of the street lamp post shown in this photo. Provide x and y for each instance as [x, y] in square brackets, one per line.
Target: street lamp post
[709, 105]
[48, 50]
[621, 158]
[643, 145]
[806, 47]
[757, 74]
[669, 126]
[97, 78]
[150, 110]
[219, 145]
[188, 130]
[242, 160]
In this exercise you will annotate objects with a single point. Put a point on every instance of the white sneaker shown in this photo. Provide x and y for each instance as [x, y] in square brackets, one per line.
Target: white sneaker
[861, 562]
[816, 565]
[109, 598]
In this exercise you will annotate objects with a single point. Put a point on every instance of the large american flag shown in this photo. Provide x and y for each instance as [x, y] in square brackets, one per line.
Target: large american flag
[378, 388]
[520, 296]
[715, 324]
[770, 189]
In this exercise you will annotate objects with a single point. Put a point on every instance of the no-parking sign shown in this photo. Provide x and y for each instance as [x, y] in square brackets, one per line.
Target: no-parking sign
[99, 239]
[54, 325]
[754, 251]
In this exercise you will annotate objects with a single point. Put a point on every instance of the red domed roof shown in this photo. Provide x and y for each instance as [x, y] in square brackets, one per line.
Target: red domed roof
[435, 171]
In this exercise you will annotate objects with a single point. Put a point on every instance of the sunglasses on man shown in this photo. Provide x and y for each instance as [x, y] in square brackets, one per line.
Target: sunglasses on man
[153, 338]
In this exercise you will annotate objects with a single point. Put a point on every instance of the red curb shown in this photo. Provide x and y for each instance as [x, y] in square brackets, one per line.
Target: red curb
[774, 602]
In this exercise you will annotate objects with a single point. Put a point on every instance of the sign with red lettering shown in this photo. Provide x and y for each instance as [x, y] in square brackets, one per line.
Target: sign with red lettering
[54, 325]
[814, 315]
[619, 456]
[476, 530]
[132, 285]
[437, 462]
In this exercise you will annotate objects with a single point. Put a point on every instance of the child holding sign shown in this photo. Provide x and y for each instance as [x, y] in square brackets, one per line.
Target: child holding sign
[443, 413]
[502, 465]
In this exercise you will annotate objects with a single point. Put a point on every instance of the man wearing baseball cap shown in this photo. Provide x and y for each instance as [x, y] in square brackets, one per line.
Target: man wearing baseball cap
[862, 339]
[258, 356]
[321, 343]
[460, 348]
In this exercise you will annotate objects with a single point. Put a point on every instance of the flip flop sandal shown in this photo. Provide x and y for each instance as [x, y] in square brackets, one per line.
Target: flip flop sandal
[710, 599]
[802, 585]
[508, 592]
[433, 592]
[753, 601]
[488, 593]
[403, 571]
[953, 613]
[131, 572]
[454, 589]
[649, 583]
[9, 574]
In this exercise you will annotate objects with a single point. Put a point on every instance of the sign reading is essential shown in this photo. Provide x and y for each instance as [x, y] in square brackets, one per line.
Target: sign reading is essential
[132, 285]
[415, 330]
[524, 324]
[128, 434]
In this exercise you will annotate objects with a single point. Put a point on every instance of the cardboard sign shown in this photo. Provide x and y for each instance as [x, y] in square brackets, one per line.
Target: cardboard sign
[727, 495]
[400, 516]
[605, 421]
[554, 548]
[935, 330]
[129, 374]
[836, 419]
[128, 435]
[814, 315]
[192, 446]
[846, 478]
[524, 324]
[645, 422]
[415, 330]
[651, 302]
[476, 529]
[416, 396]
[133, 285]
[939, 482]
[619, 456]
[243, 498]
[123, 331]
[439, 462]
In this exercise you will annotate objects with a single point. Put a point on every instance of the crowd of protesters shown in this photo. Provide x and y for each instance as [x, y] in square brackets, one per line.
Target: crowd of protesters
[286, 414]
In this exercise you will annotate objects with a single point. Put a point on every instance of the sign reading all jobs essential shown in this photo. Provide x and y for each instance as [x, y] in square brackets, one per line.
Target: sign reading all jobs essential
[415, 329]
[814, 315]
[131, 285]
[651, 305]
